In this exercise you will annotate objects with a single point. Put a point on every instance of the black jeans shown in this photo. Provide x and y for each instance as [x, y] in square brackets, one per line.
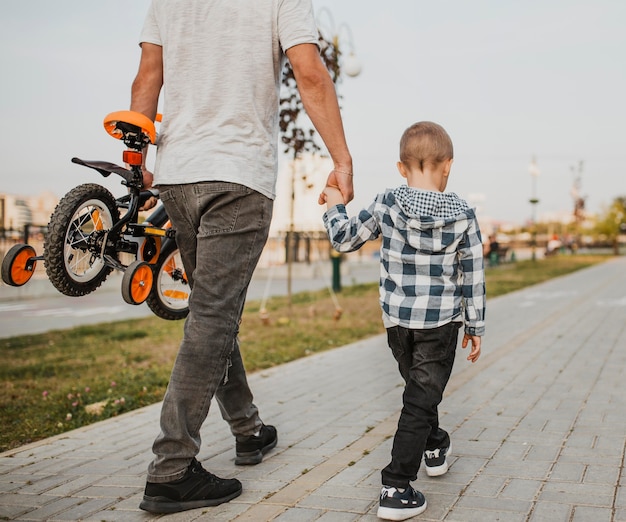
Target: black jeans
[425, 359]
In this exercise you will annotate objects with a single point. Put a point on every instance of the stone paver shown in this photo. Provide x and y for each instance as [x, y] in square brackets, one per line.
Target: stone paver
[538, 429]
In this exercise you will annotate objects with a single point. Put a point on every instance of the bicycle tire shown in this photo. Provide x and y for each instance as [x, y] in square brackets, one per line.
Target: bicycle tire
[169, 298]
[73, 247]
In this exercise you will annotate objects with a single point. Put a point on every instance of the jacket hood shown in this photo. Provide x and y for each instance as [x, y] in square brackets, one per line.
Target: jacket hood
[437, 219]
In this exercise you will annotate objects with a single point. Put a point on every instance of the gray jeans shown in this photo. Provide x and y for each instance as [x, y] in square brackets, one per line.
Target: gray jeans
[221, 229]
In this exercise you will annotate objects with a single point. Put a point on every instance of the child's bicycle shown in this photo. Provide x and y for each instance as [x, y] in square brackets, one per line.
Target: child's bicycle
[87, 232]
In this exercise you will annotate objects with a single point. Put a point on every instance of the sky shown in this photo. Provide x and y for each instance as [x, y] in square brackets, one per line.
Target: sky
[509, 80]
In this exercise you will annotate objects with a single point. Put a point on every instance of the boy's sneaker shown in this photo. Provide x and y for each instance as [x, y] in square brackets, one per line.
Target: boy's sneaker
[436, 462]
[250, 450]
[198, 488]
[394, 505]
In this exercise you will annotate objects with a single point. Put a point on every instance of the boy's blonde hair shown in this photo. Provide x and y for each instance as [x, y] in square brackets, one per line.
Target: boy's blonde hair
[425, 144]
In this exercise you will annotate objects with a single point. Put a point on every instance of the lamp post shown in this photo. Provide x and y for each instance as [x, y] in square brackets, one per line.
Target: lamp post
[534, 174]
[579, 202]
[296, 166]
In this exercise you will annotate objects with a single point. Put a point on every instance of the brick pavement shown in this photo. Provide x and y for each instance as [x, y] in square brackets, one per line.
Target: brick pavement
[538, 428]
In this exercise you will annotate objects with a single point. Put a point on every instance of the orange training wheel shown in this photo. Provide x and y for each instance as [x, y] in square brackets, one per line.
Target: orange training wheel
[131, 117]
[15, 269]
[137, 282]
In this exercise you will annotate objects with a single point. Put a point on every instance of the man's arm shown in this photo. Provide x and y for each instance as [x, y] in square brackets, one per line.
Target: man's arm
[317, 91]
[145, 98]
[148, 82]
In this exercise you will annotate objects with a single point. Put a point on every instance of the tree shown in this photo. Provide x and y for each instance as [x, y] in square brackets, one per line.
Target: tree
[297, 135]
[297, 132]
[612, 222]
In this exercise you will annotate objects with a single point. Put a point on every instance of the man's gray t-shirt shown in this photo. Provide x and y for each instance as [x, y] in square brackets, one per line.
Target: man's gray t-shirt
[222, 65]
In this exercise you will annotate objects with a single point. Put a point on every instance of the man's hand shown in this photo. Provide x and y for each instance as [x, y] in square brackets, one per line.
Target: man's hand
[147, 183]
[475, 352]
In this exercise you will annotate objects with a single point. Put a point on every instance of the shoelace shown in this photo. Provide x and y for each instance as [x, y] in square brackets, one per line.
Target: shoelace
[197, 468]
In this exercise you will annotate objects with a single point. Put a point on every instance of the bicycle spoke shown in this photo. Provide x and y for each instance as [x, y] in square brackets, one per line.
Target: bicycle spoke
[79, 260]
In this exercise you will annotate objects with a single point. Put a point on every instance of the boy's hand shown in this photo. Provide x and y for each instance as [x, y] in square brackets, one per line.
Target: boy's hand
[475, 352]
[332, 196]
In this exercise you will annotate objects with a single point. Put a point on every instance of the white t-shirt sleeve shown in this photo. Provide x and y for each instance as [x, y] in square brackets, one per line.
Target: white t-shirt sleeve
[150, 32]
[296, 23]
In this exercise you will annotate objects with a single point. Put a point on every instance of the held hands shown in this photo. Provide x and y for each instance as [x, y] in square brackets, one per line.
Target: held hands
[340, 179]
[332, 196]
[475, 351]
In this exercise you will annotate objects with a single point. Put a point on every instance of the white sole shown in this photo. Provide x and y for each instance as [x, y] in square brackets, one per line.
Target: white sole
[437, 471]
[399, 514]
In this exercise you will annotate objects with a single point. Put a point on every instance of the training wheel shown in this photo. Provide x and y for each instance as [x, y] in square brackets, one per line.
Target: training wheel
[137, 282]
[18, 266]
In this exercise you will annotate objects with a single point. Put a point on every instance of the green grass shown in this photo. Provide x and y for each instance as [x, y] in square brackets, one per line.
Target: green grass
[58, 381]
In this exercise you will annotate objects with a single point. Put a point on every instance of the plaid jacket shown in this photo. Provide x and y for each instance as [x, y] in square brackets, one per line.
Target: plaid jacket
[431, 270]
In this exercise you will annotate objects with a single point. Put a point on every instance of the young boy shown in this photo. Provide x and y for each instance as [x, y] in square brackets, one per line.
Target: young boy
[432, 281]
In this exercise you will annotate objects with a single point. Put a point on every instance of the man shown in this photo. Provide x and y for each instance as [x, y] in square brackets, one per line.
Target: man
[219, 64]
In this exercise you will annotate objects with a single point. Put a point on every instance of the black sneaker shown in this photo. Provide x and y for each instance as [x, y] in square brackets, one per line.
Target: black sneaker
[198, 488]
[435, 461]
[394, 505]
[250, 450]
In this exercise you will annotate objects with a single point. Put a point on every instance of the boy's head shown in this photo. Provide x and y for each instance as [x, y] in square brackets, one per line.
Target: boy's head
[425, 145]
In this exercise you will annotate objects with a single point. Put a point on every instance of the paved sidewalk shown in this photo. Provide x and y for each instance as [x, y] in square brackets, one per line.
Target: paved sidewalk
[538, 428]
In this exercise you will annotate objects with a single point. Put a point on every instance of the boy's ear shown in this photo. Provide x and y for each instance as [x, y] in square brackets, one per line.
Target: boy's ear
[402, 169]
[447, 167]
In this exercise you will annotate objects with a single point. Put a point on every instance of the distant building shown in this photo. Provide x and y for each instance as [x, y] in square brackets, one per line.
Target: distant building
[18, 211]
[42, 206]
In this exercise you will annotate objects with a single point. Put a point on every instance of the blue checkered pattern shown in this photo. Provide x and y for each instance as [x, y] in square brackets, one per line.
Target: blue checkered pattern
[431, 270]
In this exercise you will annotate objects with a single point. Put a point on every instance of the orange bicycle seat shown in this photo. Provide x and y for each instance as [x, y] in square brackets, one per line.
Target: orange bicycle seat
[137, 119]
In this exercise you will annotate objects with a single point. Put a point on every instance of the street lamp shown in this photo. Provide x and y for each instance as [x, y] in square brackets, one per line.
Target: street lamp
[340, 35]
[534, 174]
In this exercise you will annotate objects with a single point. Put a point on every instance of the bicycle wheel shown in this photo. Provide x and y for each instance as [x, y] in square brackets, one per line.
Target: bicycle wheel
[169, 298]
[78, 238]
